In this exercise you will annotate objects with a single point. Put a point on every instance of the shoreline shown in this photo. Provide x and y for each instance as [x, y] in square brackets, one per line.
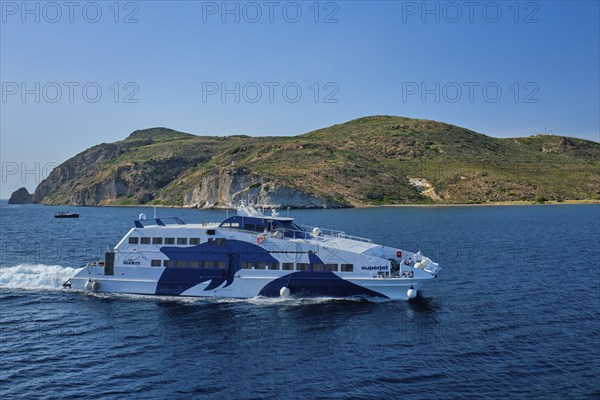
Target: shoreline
[432, 205]
[499, 203]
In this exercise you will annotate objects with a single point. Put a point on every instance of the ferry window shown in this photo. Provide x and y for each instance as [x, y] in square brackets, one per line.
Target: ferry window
[155, 263]
[182, 241]
[156, 240]
[206, 264]
[220, 241]
[211, 232]
[260, 228]
[169, 240]
[194, 264]
[246, 265]
[347, 268]
[133, 240]
[194, 240]
[211, 241]
[288, 266]
[220, 264]
[168, 263]
[250, 227]
[302, 266]
[145, 240]
[261, 265]
[317, 267]
[331, 267]
[273, 265]
[180, 264]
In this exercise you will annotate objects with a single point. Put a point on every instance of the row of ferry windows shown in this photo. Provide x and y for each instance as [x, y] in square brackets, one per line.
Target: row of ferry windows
[159, 240]
[259, 265]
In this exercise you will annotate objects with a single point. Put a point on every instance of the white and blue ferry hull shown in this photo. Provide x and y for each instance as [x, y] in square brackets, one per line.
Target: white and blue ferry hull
[246, 284]
[250, 255]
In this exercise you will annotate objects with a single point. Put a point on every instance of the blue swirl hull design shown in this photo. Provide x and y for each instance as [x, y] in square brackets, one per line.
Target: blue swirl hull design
[316, 284]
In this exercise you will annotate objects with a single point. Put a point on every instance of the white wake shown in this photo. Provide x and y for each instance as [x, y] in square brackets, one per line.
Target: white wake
[35, 276]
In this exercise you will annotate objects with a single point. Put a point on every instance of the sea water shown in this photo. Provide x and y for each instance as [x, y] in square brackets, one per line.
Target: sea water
[514, 314]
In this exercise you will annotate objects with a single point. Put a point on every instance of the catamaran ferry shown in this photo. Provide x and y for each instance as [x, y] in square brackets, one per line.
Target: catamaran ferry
[252, 254]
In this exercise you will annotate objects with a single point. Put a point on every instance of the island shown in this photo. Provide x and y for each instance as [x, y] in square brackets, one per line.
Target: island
[21, 196]
[370, 161]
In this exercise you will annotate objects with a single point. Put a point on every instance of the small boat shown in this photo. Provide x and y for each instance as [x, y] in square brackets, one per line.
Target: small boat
[253, 254]
[66, 214]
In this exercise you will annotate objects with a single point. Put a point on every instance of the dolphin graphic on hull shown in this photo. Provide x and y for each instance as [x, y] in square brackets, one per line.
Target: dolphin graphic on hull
[229, 255]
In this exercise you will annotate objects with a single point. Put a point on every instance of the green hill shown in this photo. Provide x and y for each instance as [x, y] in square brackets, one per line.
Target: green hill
[368, 161]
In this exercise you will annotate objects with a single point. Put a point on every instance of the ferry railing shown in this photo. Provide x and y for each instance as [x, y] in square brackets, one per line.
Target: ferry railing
[306, 234]
[142, 223]
[286, 233]
[429, 266]
[326, 232]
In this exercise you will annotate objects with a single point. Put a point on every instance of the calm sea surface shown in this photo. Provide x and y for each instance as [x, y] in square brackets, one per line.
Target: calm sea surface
[515, 313]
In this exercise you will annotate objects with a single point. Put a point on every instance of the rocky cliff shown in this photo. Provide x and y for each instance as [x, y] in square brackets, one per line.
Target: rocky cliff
[369, 161]
[229, 185]
[21, 196]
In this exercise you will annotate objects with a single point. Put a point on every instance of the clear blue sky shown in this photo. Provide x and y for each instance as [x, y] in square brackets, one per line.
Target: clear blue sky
[367, 57]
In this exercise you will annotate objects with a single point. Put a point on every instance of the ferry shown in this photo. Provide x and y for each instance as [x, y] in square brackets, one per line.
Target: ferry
[252, 254]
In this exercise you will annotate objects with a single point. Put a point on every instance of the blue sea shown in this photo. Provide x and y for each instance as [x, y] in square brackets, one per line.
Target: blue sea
[515, 313]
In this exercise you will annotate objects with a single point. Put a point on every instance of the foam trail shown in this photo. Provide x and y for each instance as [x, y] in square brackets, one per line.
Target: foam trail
[35, 276]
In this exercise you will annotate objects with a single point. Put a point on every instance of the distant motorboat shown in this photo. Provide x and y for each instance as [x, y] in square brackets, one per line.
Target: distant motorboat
[66, 214]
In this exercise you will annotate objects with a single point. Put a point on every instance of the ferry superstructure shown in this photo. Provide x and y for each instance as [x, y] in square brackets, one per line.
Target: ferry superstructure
[252, 254]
